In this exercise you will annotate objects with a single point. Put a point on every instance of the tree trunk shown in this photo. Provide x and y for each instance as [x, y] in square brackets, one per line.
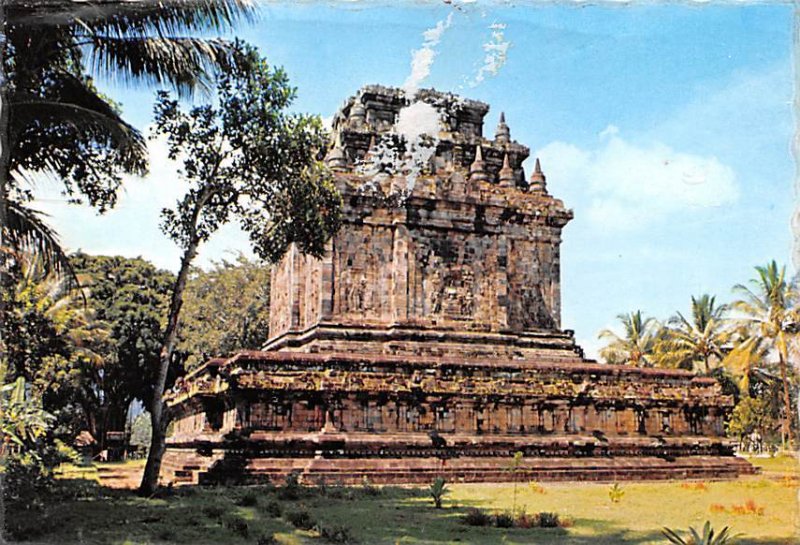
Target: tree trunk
[158, 413]
[786, 425]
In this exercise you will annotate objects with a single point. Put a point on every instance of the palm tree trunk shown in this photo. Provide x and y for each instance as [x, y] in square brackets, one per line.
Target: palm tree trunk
[5, 160]
[786, 425]
[159, 417]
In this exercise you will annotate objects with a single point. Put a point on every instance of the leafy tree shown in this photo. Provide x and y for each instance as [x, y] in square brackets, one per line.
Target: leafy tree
[697, 341]
[36, 317]
[768, 308]
[638, 343]
[244, 159]
[225, 309]
[29, 450]
[52, 118]
[118, 337]
[751, 414]
[141, 431]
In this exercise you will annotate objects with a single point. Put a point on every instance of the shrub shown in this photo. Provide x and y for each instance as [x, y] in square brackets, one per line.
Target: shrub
[291, 488]
[335, 533]
[476, 517]
[250, 499]
[368, 488]
[214, 511]
[547, 520]
[237, 525]
[437, 491]
[504, 520]
[524, 520]
[301, 519]
[615, 493]
[273, 509]
[25, 482]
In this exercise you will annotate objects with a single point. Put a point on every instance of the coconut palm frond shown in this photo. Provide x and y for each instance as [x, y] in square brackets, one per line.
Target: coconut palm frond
[132, 16]
[637, 344]
[86, 113]
[184, 63]
[26, 231]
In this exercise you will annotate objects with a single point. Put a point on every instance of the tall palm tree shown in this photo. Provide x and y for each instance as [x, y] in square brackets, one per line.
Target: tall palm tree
[637, 345]
[52, 119]
[769, 310]
[695, 341]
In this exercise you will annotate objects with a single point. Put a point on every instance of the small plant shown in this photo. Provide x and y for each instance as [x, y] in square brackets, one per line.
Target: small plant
[477, 517]
[213, 511]
[548, 520]
[536, 488]
[273, 509]
[615, 493]
[717, 508]
[749, 507]
[291, 488]
[237, 525]
[250, 499]
[515, 466]
[267, 540]
[703, 487]
[523, 520]
[335, 533]
[708, 537]
[437, 491]
[368, 488]
[301, 519]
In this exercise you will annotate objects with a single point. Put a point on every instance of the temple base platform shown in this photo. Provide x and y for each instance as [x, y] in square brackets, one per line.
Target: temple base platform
[412, 459]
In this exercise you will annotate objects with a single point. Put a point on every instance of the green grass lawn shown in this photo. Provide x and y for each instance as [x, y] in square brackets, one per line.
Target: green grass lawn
[84, 512]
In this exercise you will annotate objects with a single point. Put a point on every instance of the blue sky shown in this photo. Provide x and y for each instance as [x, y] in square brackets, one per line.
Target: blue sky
[667, 128]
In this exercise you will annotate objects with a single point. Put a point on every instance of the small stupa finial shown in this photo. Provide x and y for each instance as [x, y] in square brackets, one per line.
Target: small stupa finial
[506, 174]
[477, 170]
[503, 133]
[538, 179]
[358, 115]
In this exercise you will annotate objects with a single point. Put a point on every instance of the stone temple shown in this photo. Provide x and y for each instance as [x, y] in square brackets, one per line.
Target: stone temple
[427, 341]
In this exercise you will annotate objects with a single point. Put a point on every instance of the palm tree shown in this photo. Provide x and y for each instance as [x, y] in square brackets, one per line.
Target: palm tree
[769, 311]
[693, 342]
[53, 120]
[637, 345]
[745, 357]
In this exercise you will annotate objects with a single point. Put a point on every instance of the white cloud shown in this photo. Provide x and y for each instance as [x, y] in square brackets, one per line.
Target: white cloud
[496, 53]
[631, 184]
[131, 228]
[422, 58]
